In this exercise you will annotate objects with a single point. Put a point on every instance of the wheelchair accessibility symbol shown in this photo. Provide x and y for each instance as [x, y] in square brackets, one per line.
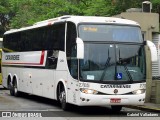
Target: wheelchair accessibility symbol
[119, 76]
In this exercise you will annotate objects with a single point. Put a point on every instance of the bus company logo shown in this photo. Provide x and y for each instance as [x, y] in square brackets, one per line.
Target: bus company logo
[115, 91]
[115, 86]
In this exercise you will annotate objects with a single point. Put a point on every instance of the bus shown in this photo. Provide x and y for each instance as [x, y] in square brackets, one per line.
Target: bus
[1, 39]
[79, 60]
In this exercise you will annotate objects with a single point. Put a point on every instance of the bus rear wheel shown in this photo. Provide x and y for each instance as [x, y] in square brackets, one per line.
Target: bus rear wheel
[11, 89]
[15, 89]
[116, 108]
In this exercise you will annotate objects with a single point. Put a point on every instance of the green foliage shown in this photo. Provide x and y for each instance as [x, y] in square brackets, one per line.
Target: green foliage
[31, 11]
[156, 6]
[4, 16]
[20, 13]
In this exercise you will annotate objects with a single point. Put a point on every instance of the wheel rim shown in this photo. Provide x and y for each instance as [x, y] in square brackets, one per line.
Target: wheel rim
[15, 89]
[11, 88]
[62, 96]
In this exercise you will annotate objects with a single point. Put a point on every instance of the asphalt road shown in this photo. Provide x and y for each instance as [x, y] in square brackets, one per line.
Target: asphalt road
[35, 106]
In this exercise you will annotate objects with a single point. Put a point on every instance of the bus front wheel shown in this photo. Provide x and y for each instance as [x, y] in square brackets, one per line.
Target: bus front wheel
[62, 98]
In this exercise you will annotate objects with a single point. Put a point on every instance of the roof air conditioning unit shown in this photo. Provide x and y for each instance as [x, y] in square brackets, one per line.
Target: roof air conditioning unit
[146, 6]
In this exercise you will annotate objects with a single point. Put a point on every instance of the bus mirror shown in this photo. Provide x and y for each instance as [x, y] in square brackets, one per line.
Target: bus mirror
[153, 50]
[80, 48]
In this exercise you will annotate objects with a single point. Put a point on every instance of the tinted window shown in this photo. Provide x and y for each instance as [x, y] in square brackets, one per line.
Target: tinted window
[43, 38]
[52, 58]
[11, 42]
[105, 62]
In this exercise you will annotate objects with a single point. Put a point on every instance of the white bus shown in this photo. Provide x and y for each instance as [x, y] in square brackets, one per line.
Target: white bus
[81, 60]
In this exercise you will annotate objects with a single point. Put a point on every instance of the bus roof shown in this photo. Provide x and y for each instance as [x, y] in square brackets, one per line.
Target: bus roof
[76, 20]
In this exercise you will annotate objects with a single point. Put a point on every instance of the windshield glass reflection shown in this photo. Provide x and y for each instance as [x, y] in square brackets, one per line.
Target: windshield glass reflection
[106, 62]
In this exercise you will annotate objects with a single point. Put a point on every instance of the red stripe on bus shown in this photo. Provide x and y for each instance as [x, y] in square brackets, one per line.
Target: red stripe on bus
[42, 57]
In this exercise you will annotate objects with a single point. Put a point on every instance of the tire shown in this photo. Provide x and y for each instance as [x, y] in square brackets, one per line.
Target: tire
[62, 99]
[10, 87]
[116, 108]
[15, 89]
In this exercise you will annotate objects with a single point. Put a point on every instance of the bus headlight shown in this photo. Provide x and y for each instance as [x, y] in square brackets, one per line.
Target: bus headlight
[140, 91]
[88, 91]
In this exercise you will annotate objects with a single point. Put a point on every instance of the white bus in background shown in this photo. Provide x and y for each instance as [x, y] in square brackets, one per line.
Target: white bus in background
[81, 60]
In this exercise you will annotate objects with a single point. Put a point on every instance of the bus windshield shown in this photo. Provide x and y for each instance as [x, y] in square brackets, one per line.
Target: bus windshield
[110, 33]
[110, 61]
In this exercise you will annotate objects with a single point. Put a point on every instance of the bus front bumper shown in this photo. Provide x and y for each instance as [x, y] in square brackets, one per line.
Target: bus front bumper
[101, 100]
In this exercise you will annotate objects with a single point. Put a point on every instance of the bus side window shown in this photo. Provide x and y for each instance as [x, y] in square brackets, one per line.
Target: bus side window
[52, 58]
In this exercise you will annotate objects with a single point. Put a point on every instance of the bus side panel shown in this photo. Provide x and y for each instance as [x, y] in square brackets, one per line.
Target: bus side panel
[25, 81]
[5, 76]
[37, 76]
[43, 82]
[49, 84]
[37, 81]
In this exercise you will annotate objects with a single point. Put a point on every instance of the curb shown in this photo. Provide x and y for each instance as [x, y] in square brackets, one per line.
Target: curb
[145, 108]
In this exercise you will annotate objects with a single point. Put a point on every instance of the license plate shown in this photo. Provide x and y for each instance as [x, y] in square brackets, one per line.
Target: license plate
[115, 100]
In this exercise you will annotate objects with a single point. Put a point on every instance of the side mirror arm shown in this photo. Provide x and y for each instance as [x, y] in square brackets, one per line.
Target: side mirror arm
[153, 50]
[80, 48]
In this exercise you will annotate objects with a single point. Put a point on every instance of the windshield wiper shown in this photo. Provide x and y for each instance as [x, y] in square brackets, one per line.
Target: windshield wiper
[128, 73]
[106, 66]
[125, 67]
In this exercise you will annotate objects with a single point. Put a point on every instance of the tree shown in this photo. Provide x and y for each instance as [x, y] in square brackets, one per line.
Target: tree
[4, 16]
[21, 13]
[156, 6]
[31, 11]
